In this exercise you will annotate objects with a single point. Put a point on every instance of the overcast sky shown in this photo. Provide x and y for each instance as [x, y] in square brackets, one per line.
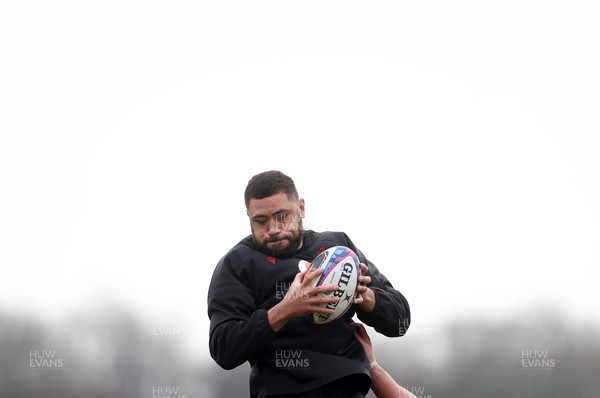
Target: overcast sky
[456, 143]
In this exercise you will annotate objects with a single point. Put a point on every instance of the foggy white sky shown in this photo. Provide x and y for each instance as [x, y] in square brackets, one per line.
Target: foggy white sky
[457, 144]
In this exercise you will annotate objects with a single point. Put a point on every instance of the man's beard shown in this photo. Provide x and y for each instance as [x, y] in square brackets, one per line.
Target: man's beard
[295, 242]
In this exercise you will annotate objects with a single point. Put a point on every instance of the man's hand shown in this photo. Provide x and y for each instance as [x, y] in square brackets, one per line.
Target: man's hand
[366, 299]
[364, 339]
[301, 300]
[383, 384]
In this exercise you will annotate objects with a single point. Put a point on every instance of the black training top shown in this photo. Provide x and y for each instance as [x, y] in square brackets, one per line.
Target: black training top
[302, 356]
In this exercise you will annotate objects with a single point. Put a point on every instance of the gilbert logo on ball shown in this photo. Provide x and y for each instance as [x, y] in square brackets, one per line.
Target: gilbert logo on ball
[342, 268]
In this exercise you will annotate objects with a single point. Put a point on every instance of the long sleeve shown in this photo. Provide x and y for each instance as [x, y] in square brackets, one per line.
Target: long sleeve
[391, 315]
[239, 331]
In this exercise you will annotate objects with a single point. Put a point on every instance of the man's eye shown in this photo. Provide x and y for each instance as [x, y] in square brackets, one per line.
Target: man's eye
[282, 217]
[260, 222]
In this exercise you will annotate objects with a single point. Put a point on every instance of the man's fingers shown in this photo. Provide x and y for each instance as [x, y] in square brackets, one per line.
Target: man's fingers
[363, 280]
[359, 326]
[316, 303]
[322, 310]
[300, 276]
[361, 334]
[363, 268]
[361, 289]
[310, 276]
[306, 271]
[326, 289]
[327, 299]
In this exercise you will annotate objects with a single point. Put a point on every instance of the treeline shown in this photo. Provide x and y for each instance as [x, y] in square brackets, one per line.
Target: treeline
[111, 354]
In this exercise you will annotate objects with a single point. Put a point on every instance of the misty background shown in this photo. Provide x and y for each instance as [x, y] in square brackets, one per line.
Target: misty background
[456, 144]
[113, 354]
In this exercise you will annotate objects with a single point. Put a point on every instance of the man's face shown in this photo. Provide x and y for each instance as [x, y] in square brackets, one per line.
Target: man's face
[276, 224]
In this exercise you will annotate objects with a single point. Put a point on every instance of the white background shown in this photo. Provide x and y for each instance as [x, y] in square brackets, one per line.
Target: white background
[457, 144]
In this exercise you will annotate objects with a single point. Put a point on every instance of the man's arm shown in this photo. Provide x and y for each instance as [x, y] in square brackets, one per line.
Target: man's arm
[384, 308]
[380, 306]
[238, 330]
[301, 300]
[383, 385]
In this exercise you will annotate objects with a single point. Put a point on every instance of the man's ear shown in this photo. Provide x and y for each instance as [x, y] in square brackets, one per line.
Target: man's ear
[301, 207]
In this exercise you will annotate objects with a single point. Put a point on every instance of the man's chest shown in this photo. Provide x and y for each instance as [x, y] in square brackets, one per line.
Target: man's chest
[273, 277]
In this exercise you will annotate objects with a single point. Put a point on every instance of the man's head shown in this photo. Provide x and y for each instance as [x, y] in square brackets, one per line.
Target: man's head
[275, 212]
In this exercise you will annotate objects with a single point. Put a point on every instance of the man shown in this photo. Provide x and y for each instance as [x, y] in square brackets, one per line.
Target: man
[259, 302]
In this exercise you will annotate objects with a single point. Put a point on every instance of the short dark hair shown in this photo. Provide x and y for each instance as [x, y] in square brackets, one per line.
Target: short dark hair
[269, 183]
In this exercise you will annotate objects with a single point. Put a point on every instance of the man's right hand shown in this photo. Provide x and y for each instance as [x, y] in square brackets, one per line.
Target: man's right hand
[301, 300]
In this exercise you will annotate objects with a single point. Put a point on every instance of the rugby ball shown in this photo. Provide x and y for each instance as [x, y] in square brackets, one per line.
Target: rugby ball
[342, 268]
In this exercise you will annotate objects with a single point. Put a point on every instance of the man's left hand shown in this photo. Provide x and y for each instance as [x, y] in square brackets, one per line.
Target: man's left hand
[366, 297]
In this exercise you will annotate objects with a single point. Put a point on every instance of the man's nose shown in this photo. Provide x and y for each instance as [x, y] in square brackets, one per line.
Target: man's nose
[274, 227]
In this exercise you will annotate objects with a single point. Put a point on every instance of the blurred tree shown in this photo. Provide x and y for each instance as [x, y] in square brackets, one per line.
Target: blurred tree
[109, 353]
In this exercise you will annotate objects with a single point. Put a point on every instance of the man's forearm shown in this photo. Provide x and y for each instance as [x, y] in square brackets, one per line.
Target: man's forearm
[235, 342]
[391, 314]
[277, 318]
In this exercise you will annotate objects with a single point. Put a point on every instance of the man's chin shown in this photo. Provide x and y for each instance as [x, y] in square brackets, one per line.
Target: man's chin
[280, 248]
[278, 244]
